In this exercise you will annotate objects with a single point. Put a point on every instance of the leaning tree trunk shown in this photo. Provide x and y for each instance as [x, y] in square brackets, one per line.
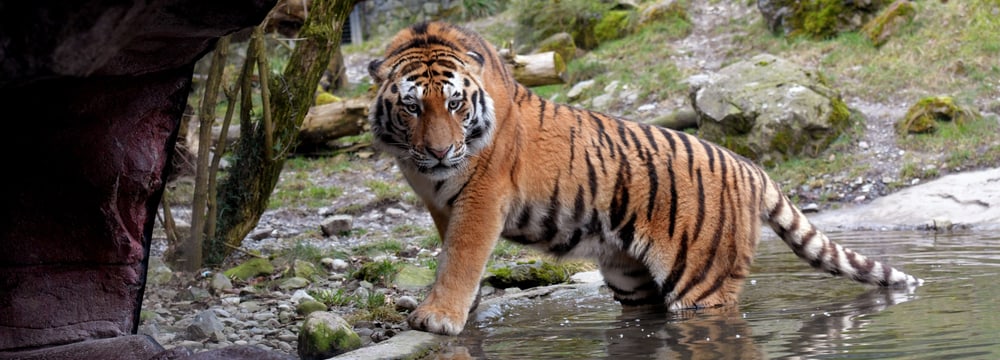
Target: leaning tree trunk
[243, 195]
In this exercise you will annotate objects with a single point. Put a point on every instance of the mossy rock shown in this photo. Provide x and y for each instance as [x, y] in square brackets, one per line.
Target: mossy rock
[529, 275]
[889, 21]
[818, 19]
[663, 10]
[614, 25]
[250, 269]
[924, 116]
[307, 307]
[378, 272]
[769, 109]
[324, 335]
[561, 43]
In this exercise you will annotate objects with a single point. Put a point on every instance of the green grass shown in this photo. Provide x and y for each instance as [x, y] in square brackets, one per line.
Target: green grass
[386, 191]
[381, 272]
[386, 246]
[300, 192]
[975, 144]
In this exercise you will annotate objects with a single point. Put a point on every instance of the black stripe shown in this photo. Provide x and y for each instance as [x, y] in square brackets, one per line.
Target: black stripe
[627, 233]
[621, 132]
[591, 176]
[672, 224]
[579, 209]
[420, 29]
[713, 249]
[438, 185]
[525, 218]
[551, 221]
[711, 155]
[654, 186]
[648, 130]
[690, 153]
[620, 200]
[564, 248]
[679, 267]
[541, 113]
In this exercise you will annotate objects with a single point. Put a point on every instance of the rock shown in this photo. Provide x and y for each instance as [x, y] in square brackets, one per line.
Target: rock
[407, 303]
[324, 335]
[817, 19]
[523, 276]
[307, 307]
[924, 116]
[221, 282]
[304, 269]
[250, 269]
[587, 277]
[662, 10]
[810, 208]
[889, 21]
[301, 295]
[335, 265]
[579, 88]
[413, 278]
[293, 283]
[159, 273]
[261, 233]
[613, 25]
[336, 225]
[205, 325]
[941, 224]
[767, 108]
[401, 346]
[562, 43]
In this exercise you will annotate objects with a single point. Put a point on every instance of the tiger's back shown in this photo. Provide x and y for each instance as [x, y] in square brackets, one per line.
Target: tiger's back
[671, 219]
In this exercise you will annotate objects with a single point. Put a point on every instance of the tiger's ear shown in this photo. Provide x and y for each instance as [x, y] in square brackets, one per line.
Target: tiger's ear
[376, 71]
[480, 62]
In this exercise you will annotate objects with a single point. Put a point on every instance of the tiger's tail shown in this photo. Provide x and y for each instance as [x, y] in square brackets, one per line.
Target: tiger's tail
[822, 253]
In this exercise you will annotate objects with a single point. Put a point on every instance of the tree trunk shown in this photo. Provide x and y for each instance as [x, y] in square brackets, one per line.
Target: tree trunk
[244, 194]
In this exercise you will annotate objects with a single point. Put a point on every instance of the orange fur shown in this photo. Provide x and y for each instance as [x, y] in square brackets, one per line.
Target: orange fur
[672, 220]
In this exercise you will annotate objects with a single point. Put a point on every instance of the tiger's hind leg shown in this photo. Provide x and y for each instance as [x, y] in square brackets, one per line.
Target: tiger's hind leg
[630, 280]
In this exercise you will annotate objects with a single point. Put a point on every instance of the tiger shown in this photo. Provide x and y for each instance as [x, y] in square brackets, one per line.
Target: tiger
[669, 219]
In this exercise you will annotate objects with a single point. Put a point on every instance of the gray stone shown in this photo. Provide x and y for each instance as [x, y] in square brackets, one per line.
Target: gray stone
[406, 302]
[405, 345]
[221, 282]
[768, 109]
[205, 325]
[336, 225]
[159, 273]
[579, 88]
[414, 278]
[293, 283]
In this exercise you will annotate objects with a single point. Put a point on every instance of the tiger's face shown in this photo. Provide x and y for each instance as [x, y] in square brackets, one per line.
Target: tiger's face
[431, 111]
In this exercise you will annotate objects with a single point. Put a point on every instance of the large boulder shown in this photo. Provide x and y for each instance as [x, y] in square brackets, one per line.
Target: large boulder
[818, 18]
[768, 109]
[101, 87]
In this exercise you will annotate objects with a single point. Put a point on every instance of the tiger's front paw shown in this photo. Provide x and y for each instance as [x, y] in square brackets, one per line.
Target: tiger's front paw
[438, 320]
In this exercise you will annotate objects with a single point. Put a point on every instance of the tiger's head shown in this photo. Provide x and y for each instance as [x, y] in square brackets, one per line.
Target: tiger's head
[431, 110]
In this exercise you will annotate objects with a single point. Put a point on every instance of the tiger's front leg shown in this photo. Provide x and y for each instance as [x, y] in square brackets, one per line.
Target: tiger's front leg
[469, 238]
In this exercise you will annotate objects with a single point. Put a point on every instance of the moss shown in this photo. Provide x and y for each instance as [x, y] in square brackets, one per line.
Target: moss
[323, 98]
[816, 19]
[923, 117]
[530, 275]
[613, 25]
[663, 12]
[378, 272]
[332, 341]
[562, 44]
[879, 29]
[250, 268]
[307, 307]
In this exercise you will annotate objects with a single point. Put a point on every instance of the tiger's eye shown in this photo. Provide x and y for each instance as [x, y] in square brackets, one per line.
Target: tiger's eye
[454, 105]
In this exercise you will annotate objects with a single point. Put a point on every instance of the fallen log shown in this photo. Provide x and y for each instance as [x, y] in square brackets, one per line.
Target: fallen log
[327, 123]
[539, 69]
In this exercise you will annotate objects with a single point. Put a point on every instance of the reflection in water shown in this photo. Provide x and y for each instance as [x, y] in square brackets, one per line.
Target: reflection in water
[788, 311]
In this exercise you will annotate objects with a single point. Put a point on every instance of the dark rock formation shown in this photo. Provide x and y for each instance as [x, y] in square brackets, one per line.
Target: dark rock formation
[93, 94]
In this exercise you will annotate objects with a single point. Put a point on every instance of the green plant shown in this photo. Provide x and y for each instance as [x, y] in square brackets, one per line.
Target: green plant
[378, 272]
[333, 298]
[386, 192]
[481, 8]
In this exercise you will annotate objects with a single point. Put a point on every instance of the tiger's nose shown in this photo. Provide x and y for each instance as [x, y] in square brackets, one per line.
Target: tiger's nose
[439, 153]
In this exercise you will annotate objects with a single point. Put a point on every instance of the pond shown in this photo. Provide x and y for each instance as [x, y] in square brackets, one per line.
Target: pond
[787, 310]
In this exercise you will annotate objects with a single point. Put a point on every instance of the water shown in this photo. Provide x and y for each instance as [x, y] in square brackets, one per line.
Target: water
[787, 311]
